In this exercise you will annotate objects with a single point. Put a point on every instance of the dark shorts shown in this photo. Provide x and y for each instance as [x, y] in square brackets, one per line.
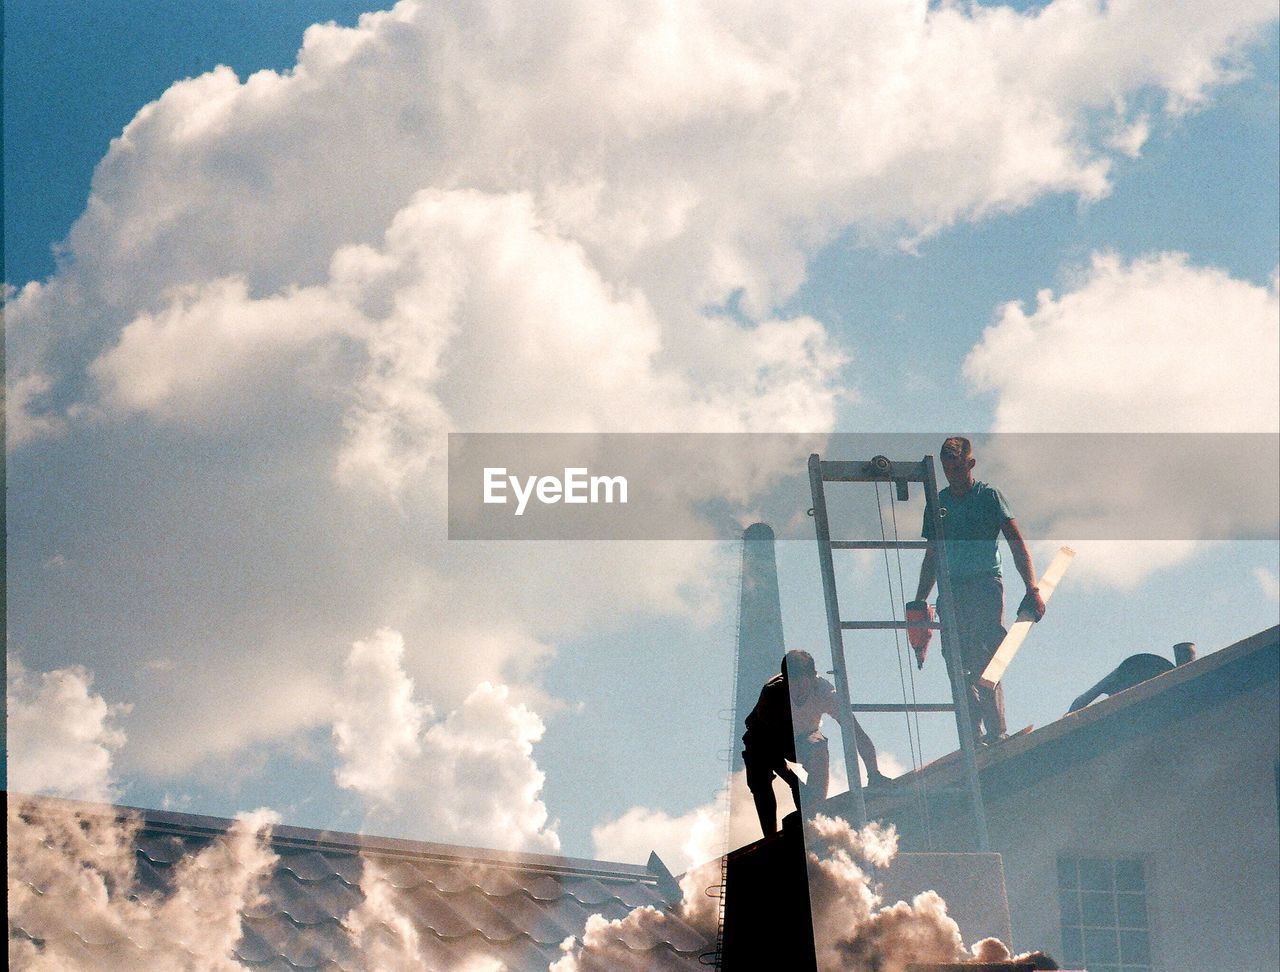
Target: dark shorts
[978, 617]
[763, 765]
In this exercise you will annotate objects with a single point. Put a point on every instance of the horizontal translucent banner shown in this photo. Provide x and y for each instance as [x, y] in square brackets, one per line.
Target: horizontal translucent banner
[1181, 487]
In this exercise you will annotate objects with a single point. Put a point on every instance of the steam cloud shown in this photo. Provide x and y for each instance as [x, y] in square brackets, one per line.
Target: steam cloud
[71, 875]
[382, 931]
[853, 930]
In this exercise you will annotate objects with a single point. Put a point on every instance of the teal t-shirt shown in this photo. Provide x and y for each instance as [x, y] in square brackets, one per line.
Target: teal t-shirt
[971, 525]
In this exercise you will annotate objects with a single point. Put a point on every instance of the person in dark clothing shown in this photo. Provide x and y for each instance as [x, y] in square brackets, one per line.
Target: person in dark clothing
[1135, 670]
[785, 726]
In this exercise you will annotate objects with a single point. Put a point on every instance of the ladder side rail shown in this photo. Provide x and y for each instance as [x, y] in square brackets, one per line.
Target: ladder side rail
[955, 669]
[834, 632]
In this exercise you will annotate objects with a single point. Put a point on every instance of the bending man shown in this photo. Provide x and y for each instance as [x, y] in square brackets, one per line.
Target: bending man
[785, 725]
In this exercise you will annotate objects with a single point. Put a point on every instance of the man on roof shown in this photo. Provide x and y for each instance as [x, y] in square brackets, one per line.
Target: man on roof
[1135, 670]
[974, 516]
[785, 725]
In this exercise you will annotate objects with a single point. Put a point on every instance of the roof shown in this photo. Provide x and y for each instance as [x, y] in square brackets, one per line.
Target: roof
[1022, 760]
[464, 903]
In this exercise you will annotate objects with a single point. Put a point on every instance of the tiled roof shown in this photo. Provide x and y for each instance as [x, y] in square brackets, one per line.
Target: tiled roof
[463, 903]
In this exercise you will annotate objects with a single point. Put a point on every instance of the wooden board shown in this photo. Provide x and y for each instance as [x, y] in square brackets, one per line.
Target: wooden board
[994, 671]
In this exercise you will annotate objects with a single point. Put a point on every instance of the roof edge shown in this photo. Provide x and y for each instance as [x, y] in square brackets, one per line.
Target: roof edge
[285, 835]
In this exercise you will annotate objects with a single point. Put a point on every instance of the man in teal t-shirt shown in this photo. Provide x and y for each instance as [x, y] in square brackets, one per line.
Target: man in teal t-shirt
[974, 515]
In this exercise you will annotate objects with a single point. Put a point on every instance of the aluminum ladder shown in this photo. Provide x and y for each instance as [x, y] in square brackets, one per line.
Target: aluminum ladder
[899, 474]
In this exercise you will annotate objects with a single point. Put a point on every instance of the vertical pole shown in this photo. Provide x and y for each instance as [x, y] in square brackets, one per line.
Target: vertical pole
[835, 633]
[951, 652]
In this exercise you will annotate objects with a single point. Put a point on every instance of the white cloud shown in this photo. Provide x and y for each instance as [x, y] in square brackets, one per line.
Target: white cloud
[469, 777]
[61, 736]
[71, 881]
[702, 834]
[1156, 344]
[684, 841]
[722, 145]
[283, 292]
[242, 344]
[1112, 354]
[24, 422]
[1269, 582]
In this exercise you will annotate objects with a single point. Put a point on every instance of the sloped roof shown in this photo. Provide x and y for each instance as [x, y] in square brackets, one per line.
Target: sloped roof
[463, 902]
[1145, 708]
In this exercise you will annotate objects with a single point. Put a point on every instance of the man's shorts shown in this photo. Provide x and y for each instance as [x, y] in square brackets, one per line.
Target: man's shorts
[978, 619]
[763, 766]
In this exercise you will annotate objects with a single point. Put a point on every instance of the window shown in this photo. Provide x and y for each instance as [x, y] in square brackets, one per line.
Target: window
[1104, 914]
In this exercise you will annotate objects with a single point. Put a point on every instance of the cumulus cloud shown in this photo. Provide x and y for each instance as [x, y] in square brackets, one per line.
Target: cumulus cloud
[469, 777]
[683, 841]
[62, 735]
[722, 146]
[1111, 354]
[285, 289]
[72, 875]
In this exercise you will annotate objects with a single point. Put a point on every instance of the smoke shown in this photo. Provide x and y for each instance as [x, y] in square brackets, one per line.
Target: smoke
[683, 841]
[75, 901]
[383, 933]
[468, 778]
[852, 932]
[61, 734]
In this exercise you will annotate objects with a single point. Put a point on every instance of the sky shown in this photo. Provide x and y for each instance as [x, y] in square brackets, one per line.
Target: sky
[265, 258]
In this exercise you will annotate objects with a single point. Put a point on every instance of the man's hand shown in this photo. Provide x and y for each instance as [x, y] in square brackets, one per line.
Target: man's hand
[1033, 594]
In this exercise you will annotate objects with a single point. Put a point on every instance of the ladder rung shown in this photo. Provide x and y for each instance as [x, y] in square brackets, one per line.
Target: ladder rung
[879, 544]
[899, 707]
[884, 625]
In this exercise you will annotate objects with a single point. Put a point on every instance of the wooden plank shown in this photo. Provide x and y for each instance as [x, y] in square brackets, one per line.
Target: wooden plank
[995, 670]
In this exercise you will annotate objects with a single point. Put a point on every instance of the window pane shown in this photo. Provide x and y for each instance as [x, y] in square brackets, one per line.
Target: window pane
[1070, 901]
[1072, 948]
[1134, 948]
[1129, 877]
[1067, 873]
[1098, 908]
[1095, 875]
[1100, 947]
[1131, 910]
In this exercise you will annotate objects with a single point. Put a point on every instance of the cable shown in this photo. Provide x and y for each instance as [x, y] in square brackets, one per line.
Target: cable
[902, 590]
[914, 740]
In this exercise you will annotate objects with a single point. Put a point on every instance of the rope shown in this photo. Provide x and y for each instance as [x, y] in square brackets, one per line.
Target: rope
[902, 590]
[913, 740]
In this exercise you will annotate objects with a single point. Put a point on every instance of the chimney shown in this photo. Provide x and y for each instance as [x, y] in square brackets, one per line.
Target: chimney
[760, 645]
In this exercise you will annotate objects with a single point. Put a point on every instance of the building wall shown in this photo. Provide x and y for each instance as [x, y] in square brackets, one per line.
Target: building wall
[1196, 802]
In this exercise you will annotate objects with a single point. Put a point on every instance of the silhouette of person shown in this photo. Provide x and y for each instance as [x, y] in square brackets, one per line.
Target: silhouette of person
[785, 726]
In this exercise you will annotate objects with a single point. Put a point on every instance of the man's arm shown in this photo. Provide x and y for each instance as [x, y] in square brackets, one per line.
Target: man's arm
[928, 573]
[1022, 560]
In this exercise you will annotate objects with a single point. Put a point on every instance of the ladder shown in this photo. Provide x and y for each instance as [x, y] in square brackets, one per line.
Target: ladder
[899, 474]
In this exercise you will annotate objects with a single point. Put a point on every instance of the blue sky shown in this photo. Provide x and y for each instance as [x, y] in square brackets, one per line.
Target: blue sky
[210, 542]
